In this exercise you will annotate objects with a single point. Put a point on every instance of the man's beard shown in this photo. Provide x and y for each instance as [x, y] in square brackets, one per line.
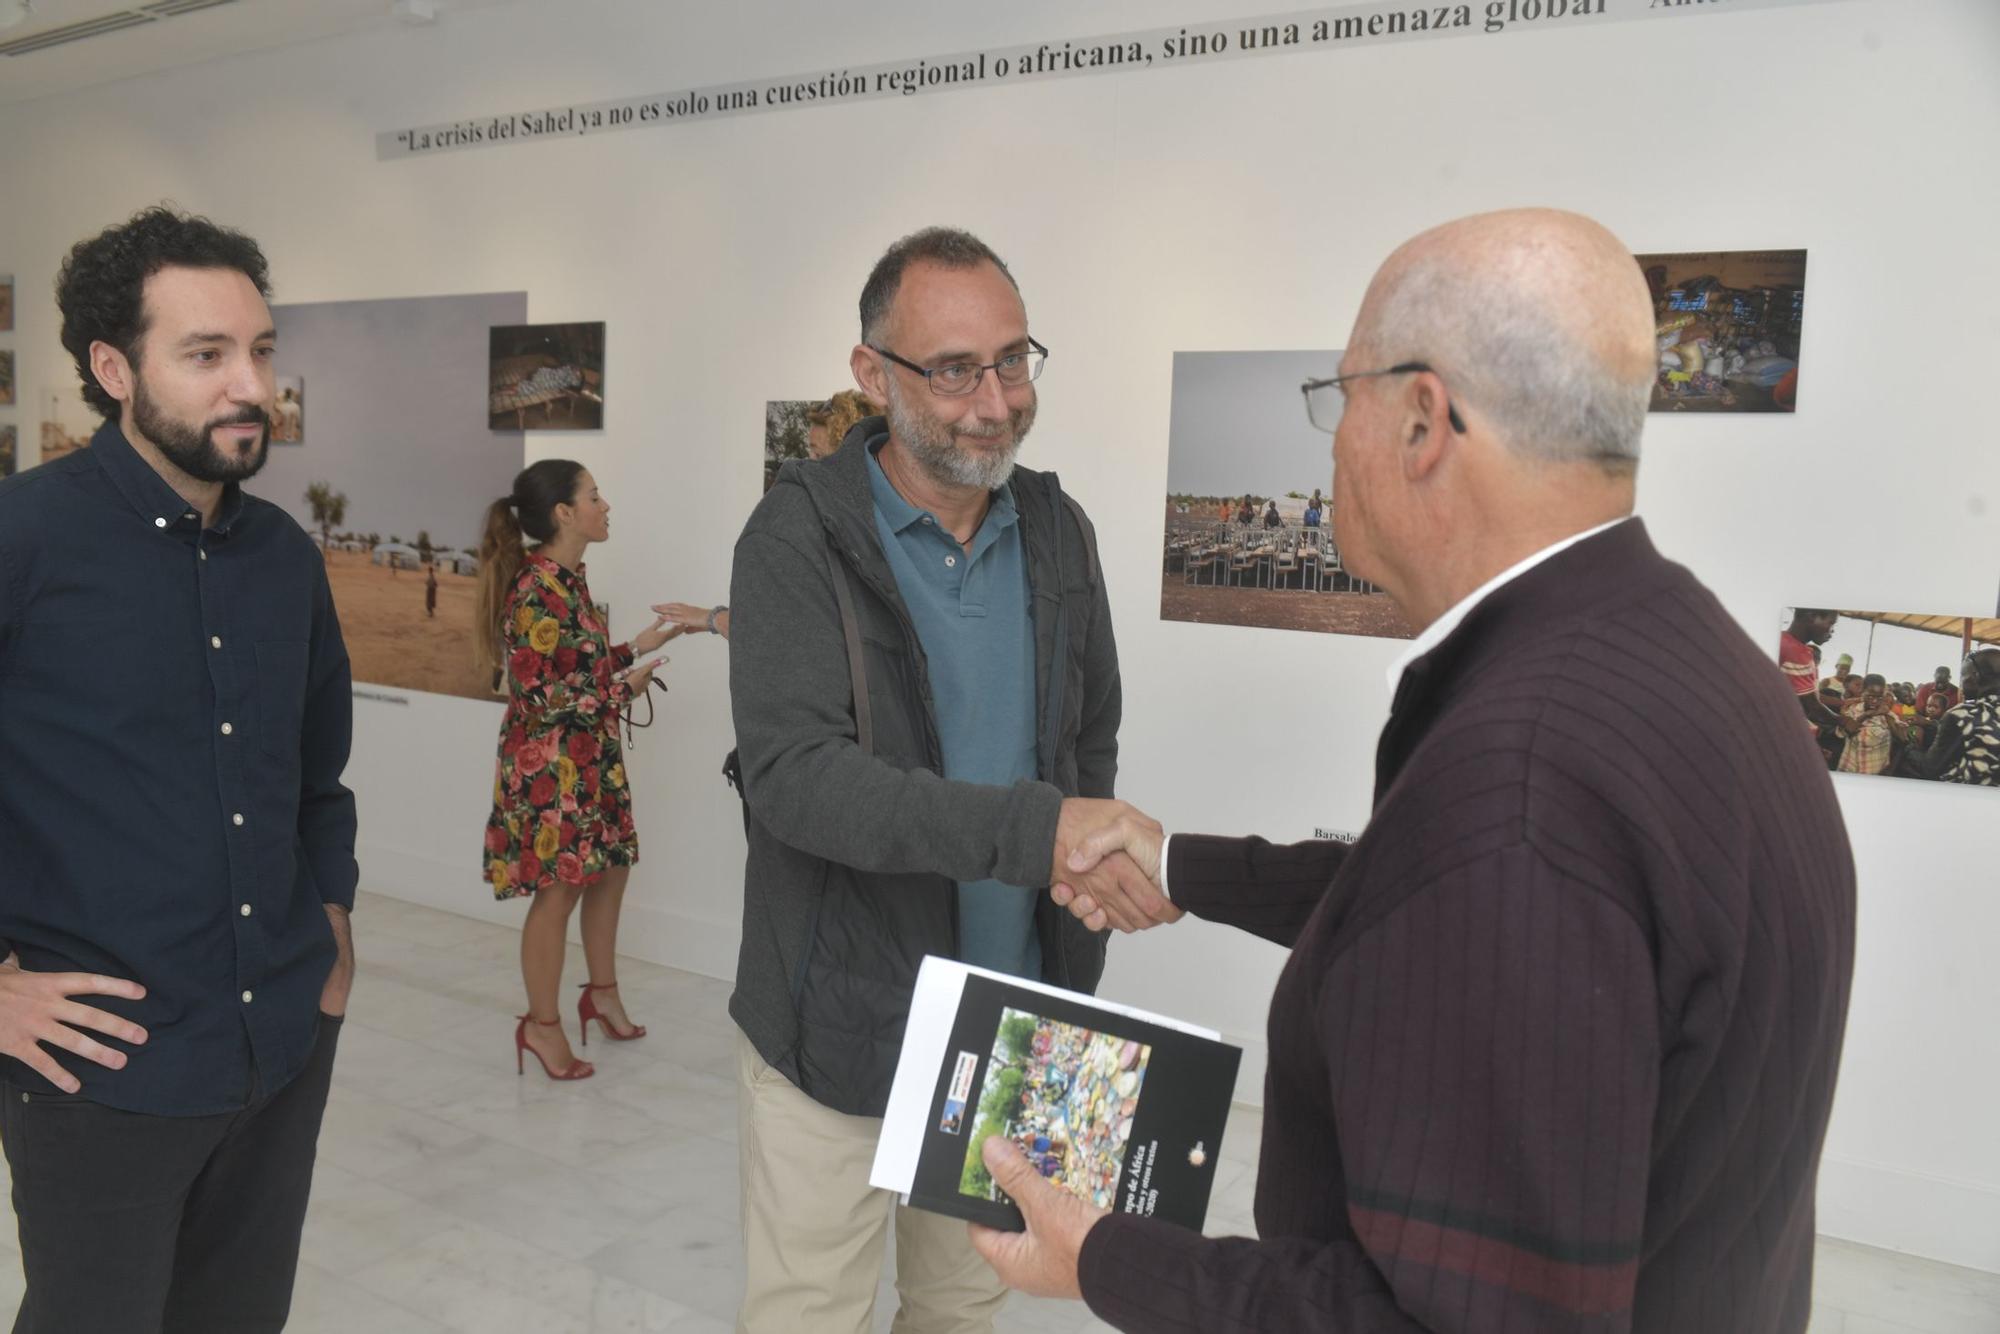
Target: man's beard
[933, 445]
[193, 449]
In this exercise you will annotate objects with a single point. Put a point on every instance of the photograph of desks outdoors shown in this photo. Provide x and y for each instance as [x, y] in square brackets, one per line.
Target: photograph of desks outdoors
[1249, 537]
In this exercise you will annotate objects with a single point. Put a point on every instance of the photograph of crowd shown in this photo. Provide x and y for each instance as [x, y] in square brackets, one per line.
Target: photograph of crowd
[536, 371]
[1728, 327]
[1066, 1096]
[1881, 694]
[1249, 532]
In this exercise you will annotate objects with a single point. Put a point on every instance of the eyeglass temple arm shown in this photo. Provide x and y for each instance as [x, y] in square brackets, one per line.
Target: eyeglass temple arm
[1450, 408]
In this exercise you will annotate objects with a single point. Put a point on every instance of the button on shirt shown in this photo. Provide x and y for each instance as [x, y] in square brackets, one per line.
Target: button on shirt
[972, 614]
[175, 711]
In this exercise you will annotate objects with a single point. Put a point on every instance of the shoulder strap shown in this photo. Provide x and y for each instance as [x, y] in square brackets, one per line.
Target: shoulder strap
[850, 629]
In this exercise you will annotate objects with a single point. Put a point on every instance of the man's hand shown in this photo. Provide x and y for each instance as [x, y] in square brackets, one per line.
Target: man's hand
[333, 996]
[1042, 1260]
[684, 614]
[1108, 869]
[656, 634]
[37, 1007]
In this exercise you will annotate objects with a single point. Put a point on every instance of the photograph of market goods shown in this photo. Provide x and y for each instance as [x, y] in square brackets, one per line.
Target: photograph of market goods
[1066, 1096]
[1728, 325]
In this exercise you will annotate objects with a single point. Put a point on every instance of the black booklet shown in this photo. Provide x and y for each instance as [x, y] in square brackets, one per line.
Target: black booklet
[1123, 1108]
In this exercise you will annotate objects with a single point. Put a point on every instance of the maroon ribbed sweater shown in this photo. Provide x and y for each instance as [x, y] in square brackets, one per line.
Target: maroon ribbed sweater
[1556, 1044]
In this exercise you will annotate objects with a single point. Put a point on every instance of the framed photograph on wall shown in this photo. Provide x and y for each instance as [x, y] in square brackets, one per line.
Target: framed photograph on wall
[786, 435]
[1728, 325]
[6, 302]
[1898, 694]
[546, 377]
[1250, 537]
[6, 376]
[10, 449]
[288, 412]
[394, 480]
[807, 428]
[58, 440]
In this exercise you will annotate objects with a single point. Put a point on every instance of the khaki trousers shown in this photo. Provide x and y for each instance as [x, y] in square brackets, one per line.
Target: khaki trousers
[814, 1230]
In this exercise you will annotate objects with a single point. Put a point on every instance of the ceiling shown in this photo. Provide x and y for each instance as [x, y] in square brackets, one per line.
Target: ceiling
[1983, 629]
[138, 37]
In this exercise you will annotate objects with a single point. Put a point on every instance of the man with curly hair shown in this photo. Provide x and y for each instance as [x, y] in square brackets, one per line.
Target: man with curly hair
[174, 947]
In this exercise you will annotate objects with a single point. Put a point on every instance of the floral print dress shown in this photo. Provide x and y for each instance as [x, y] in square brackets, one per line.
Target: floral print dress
[561, 810]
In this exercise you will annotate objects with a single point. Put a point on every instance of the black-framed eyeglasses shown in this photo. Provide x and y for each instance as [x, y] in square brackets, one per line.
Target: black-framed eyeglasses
[960, 378]
[1323, 397]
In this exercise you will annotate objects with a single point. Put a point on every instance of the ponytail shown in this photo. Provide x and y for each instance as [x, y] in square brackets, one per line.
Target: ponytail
[528, 510]
[500, 558]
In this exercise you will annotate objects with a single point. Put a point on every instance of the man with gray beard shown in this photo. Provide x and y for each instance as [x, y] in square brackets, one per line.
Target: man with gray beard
[926, 697]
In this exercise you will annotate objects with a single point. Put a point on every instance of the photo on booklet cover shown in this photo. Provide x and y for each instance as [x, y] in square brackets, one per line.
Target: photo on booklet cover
[1066, 1096]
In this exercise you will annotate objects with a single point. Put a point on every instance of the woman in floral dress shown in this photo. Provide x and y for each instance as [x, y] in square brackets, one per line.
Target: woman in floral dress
[561, 829]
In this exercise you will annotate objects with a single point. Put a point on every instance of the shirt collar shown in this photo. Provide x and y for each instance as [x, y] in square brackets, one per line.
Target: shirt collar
[147, 492]
[900, 514]
[1439, 630]
[554, 566]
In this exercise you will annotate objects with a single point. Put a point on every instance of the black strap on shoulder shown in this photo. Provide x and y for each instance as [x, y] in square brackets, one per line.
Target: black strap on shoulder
[850, 629]
[857, 671]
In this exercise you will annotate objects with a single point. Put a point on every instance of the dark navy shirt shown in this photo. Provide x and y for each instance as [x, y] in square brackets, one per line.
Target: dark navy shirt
[175, 712]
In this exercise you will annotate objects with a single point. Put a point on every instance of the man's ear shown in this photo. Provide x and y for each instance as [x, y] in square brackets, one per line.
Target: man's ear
[113, 370]
[870, 374]
[1426, 428]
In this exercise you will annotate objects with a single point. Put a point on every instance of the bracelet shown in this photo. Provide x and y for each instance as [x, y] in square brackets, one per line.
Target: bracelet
[714, 612]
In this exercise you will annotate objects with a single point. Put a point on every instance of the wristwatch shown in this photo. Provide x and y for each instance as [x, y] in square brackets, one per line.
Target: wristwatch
[714, 612]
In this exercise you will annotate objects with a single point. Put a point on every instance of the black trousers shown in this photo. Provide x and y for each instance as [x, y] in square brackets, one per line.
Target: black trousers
[135, 1224]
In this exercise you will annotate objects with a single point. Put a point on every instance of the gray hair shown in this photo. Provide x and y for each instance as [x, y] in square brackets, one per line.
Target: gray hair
[1504, 344]
[947, 247]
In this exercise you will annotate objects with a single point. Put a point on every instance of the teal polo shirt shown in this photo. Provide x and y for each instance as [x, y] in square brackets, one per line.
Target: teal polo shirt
[973, 618]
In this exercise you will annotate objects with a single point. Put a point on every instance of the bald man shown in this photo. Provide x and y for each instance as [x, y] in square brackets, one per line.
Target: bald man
[1556, 1043]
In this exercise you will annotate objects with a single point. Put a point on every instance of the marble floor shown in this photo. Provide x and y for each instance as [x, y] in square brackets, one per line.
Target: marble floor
[452, 1196]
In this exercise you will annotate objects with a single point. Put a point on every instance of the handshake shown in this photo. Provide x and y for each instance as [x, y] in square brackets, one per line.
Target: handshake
[1108, 865]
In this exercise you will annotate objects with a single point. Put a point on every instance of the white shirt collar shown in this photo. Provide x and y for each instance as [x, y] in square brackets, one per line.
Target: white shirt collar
[1436, 632]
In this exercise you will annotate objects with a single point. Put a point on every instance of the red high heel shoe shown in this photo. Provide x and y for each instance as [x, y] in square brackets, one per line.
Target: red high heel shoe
[586, 1010]
[577, 1068]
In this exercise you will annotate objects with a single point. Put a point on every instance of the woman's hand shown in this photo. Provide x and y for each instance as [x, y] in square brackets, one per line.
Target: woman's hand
[642, 676]
[656, 634]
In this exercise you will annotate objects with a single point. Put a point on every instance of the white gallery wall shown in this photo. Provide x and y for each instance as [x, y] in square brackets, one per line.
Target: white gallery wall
[1237, 205]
